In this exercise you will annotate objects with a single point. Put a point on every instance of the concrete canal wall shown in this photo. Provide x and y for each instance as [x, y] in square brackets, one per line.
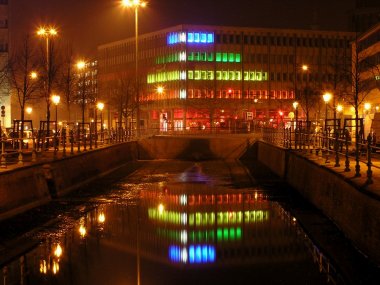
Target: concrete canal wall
[194, 148]
[353, 211]
[23, 188]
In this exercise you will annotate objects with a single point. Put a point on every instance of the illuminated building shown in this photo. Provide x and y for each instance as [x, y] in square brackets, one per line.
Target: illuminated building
[368, 48]
[220, 77]
[4, 49]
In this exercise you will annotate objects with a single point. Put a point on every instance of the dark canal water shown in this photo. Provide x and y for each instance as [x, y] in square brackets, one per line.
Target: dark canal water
[172, 222]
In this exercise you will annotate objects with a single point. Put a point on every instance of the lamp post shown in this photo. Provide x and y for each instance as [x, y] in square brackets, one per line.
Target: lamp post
[47, 33]
[100, 107]
[136, 4]
[55, 99]
[81, 65]
[326, 98]
[295, 106]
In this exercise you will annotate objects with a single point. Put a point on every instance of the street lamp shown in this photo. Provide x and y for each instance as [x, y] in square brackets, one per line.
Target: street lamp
[55, 99]
[29, 110]
[136, 4]
[295, 106]
[326, 97]
[100, 107]
[47, 33]
[81, 65]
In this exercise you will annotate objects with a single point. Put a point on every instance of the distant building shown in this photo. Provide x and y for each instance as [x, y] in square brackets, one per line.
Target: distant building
[4, 84]
[220, 77]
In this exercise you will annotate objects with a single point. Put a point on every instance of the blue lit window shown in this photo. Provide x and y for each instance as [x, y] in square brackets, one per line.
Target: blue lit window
[190, 37]
[203, 37]
[210, 38]
[196, 37]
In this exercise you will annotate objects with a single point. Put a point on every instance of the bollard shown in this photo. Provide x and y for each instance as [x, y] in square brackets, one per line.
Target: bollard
[34, 153]
[369, 162]
[327, 148]
[336, 148]
[84, 140]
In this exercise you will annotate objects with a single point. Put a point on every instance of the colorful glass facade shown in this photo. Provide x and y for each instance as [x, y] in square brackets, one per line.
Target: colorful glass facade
[203, 68]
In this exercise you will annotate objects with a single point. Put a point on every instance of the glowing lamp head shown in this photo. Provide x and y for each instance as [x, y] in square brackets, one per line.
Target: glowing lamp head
[305, 67]
[327, 97]
[101, 218]
[81, 64]
[58, 251]
[367, 106]
[47, 32]
[133, 3]
[160, 89]
[100, 106]
[33, 75]
[229, 91]
[339, 108]
[29, 110]
[55, 99]
[295, 105]
[281, 113]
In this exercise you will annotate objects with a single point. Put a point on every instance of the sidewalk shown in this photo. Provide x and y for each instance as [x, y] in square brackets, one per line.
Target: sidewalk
[360, 182]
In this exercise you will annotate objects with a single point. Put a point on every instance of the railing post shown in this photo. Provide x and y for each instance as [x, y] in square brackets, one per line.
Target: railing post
[34, 152]
[369, 162]
[347, 161]
[63, 136]
[78, 139]
[336, 148]
[71, 142]
[3, 157]
[327, 148]
[84, 140]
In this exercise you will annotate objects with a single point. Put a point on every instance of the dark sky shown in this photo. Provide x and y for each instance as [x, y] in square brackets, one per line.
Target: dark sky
[88, 23]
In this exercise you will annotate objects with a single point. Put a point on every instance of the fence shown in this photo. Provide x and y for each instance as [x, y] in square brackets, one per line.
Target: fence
[339, 147]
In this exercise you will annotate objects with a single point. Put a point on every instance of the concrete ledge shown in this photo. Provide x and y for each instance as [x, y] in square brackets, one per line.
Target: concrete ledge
[26, 187]
[354, 212]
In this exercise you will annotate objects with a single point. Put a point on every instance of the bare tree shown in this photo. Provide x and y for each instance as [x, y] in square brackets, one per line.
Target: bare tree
[67, 81]
[21, 77]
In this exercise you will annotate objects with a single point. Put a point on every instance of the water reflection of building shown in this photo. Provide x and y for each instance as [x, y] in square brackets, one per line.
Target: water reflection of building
[197, 225]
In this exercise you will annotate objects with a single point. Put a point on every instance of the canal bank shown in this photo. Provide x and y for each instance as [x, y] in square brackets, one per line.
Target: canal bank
[24, 188]
[348, 205]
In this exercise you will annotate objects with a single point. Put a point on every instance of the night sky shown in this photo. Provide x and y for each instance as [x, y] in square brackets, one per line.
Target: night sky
[88, 23]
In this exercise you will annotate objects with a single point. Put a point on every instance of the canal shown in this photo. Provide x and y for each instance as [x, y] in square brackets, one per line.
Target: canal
[180, 222]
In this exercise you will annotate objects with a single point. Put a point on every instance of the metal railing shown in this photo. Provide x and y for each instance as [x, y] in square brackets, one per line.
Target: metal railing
[338, 148]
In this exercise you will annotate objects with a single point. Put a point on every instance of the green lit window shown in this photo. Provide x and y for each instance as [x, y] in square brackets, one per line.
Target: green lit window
[246, 75]
[197, 75]
[190, 56]
[210, 56]
[237, 57]
[225, 75]
[210, 76]
[218, 57]
[204, 74]
[225, 57]
[218, 75]
[203, 56]
[231, 75]
[231, 57]
[196, 56]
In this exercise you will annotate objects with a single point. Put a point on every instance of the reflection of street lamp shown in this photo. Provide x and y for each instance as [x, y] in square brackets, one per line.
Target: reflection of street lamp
[100, 107]
[136, 4]
[56, 99]
[326, 97]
